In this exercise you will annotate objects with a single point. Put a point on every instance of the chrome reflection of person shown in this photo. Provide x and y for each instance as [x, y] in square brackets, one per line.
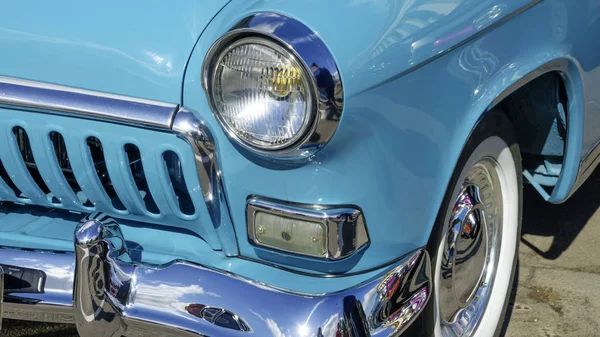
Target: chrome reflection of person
[324, 82]
[326, 85]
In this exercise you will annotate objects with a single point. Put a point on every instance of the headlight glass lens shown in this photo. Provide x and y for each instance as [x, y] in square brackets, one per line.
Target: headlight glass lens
[261, 94]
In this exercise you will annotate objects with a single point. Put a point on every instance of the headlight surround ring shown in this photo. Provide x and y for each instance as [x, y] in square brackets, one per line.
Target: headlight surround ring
[325, 105]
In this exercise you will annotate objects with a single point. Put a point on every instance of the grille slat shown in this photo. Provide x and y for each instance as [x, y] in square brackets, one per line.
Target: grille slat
[6, 193]
[190, 174]
[155, 180]
[117, 165]
[174, 166]
[8, 190]
[17, 170]
[85, 173]
[167, 188]
[137, 173]
[49, 168]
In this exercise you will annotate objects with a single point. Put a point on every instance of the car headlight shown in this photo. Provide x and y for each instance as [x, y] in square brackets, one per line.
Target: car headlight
[263, 92]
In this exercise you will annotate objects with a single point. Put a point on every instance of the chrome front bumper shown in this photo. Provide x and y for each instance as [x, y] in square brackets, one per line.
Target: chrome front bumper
[104, 293]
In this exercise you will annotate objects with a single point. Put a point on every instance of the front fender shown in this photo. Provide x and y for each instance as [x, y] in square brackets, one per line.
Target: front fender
[405, 119]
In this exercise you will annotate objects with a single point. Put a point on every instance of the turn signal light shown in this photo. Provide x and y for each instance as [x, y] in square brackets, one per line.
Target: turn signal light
[322, 231]
[291, 235]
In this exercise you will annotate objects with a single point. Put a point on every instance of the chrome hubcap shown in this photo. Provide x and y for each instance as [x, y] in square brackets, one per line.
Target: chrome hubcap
[471, 248]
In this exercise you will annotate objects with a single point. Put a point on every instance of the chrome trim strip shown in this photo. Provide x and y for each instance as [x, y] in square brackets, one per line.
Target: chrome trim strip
[346, 229]
[186, 299]
[195, 131]
[587, 166]
[53, 98]
[328, 101]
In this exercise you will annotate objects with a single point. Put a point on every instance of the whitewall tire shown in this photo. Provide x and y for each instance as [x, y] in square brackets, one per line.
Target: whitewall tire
[475, 246]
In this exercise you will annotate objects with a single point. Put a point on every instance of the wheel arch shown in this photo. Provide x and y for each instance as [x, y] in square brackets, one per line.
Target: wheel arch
[570, 74]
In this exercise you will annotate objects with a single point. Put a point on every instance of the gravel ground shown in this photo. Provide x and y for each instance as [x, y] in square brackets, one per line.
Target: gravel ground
[559, 274]
[557, 293]
[12, 328]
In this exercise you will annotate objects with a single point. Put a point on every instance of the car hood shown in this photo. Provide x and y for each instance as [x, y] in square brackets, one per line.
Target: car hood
[137, 48]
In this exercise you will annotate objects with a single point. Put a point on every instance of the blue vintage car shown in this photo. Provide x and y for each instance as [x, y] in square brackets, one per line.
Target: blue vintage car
[284, 168]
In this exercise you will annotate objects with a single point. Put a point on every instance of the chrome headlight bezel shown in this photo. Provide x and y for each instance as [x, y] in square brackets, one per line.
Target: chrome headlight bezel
[323, 116]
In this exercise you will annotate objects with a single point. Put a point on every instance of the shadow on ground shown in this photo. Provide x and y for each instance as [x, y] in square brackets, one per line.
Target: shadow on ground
[561, 222]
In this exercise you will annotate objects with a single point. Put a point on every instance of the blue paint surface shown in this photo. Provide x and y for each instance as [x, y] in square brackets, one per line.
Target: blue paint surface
[136, 48]
[417, 75]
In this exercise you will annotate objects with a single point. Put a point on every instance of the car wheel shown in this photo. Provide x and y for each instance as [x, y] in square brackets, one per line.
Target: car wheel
[475, 240]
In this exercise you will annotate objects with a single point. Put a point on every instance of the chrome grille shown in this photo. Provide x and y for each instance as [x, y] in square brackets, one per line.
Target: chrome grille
[96, 150]
[161, 159]
[124, 171]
